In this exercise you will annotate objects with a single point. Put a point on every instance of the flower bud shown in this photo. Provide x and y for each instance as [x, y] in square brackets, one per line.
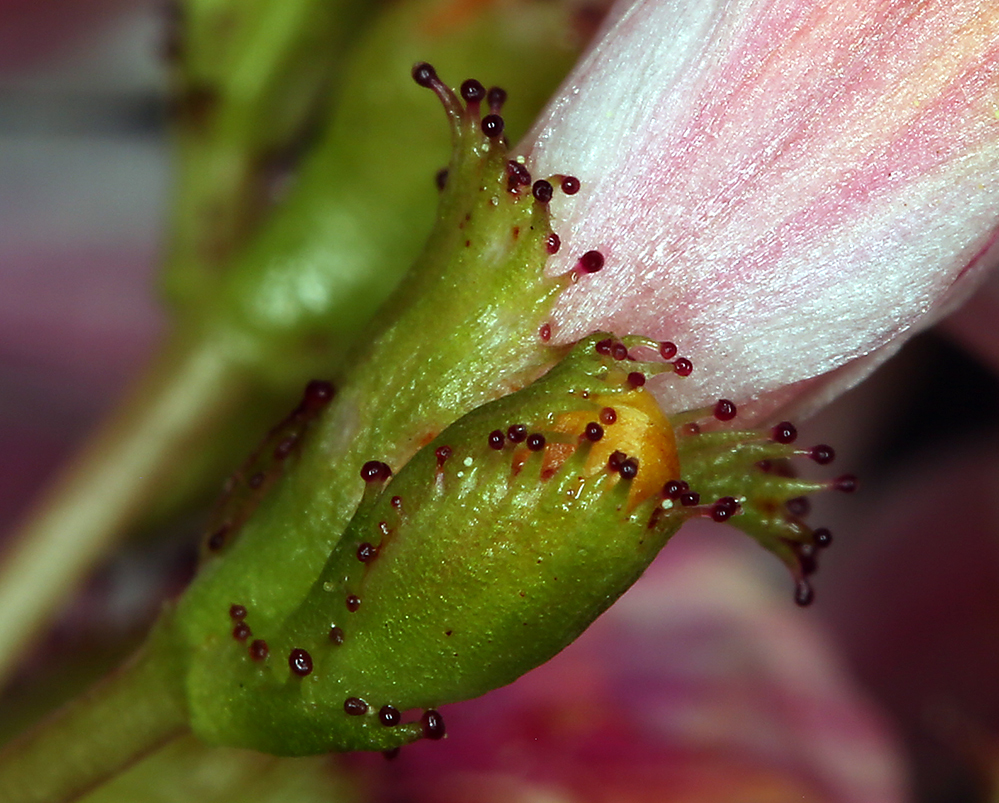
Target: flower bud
[491, 550]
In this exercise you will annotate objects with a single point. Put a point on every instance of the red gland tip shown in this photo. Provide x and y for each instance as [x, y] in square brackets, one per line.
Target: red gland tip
[591, 261]
[492, 125]
[822, 454]
[496, 97]
[725, 410]
[318, 393]
[804, 595]
[542, 191]
[667, 350]
[424, 74]
[472, 91]
[683, 366]
[517, 433]
[784, 432]
[300, 662]
[674, 489]
[375, 471]
[433, 725]
[847, 483]
[570, 185]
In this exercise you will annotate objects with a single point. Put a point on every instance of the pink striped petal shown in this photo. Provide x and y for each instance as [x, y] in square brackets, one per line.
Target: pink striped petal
[780, 186]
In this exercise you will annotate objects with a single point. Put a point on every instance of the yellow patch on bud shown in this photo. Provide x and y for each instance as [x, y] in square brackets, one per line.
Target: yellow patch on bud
[636, 427]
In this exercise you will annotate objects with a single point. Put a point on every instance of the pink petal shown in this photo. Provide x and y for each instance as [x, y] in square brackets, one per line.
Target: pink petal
[782, 187]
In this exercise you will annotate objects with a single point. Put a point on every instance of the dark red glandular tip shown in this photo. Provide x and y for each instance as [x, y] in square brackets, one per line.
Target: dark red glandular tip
[318, 393]
[591, 262]
[336, 635]
[604, 346]
[241, 632]
[724, 508]
[667, 350]
[217, 539]
[690, 498]
[542, 191]
[389, 715]
[367, 552]
[492, 125]
[636, 379]
[822, 454]
[674, 489]
[553, 243]
[570, 185]
[799, 506]
[593, 432]
[355, 706]
[545, 332]
[397, 502]
[353, 602]
[496, 439]
[616, 460]
[443, 454]
[804, 595]
[300, 662]
[424, 74]
[619, 351]
[822, 537]
[629, 469]
[472, 91]
[724, 410]
[806, 559]
[517, 433]
[237, 612]
[683, 366]
[496, 97]
[784, 432]
[440, 179]
[284, 447]
[608, 415]
[535, 441]
[847, 483]
[517, 175]
[375, 471]
[433, 725]
[259, 650]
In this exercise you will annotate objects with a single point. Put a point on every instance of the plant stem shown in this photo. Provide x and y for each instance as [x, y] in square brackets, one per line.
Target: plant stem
[131, 712]
[129, 463]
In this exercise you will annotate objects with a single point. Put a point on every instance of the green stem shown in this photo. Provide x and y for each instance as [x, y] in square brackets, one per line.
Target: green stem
[131, 461]
[121, 719]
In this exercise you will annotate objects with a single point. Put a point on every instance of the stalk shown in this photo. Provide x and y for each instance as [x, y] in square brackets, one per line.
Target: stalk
[145, 446]
[121, 719]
